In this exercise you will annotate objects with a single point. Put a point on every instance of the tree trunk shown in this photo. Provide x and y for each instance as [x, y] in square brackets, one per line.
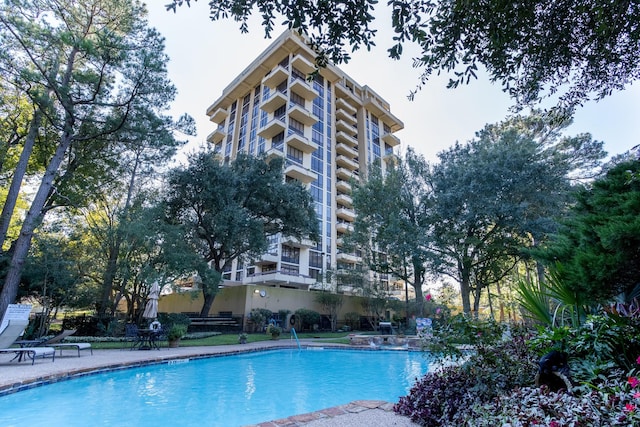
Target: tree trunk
[465, 287]
[31, 221]
[208, 303]
[18, 175]
[476, 298]
[114, 251]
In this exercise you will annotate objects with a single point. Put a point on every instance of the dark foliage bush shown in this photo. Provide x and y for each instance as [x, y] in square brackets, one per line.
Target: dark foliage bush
[613, 403]
[91, 326]
[167, 320]
[352, 320]
[307, 318]
[446, 397]
[601, 344]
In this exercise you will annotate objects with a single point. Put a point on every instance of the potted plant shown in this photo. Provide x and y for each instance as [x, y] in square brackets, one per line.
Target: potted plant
[242, 338]
[176, 332]
[274, 330]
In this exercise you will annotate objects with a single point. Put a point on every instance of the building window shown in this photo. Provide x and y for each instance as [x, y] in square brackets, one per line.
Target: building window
[297, 99]
[315, 259]
[277, 141]
[280, 112]
[290, 269]
[296, 126]
[290, 254]
[294, 155]
[269, 268]
[315, 274]
[272, 245]
[297, 74]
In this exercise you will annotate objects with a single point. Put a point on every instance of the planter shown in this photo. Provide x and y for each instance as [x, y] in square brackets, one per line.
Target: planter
[174, 343]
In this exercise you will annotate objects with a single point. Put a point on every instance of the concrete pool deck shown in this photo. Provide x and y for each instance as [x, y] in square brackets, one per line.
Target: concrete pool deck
[16, 376]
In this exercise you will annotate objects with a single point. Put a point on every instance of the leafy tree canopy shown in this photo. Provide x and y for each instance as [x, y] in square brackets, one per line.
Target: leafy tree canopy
[581, 49]
[599, 246]
[227, 211]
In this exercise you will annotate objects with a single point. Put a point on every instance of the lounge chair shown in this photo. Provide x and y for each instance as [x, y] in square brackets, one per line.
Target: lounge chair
[56, 342]
[10, 335]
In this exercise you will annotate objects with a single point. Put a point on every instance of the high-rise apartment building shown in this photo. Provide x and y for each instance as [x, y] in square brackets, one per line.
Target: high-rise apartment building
[328, 129]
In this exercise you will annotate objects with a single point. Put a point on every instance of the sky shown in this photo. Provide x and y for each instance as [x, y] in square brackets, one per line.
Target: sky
[205, 56]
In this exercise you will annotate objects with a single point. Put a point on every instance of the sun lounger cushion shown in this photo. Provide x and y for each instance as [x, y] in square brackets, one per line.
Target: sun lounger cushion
[32, 352]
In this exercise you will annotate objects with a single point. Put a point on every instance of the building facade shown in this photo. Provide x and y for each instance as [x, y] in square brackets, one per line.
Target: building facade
[328, 128]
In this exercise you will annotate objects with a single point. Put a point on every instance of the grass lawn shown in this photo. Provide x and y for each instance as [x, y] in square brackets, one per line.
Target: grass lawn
[227, 339]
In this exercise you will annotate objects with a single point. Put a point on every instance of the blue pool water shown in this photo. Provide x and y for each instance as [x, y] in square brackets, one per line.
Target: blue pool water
[222, 391]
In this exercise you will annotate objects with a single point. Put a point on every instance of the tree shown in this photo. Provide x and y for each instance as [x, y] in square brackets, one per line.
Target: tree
[534, 49]
[227, 211]
[599, 244]
[498, 194]
[147, 143]
[84, 68]
[331, 304]
[50, 276]
[390, 226]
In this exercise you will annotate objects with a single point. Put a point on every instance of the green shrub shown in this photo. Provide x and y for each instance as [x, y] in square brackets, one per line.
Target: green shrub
[613, 403]
[307, 318]
[176, 332]
[259, 318]
[603, 343]
[167, 320]
[352, 320]
[449, 333]
[446, 397]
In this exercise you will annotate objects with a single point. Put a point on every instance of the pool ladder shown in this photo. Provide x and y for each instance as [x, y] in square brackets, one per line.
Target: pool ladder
[293, 333]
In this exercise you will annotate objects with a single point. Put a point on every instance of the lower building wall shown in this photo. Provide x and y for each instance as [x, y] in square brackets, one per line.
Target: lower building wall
[240, 300]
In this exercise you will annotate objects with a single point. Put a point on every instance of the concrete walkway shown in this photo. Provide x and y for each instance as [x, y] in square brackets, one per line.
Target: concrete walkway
[17, 376]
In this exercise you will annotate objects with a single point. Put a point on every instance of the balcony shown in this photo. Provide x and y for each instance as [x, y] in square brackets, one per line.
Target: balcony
[302, 115]
[346, 174]
[345, 162]
[267, 259]
[391, 158]
[346, 214]
[344, 227]
[390, 139]
[272, 153]
[346, 150]
[346, 138]
[275, 77]
[301, 142]
[217, 135]
[219, 115]
[275, 101]
[305, 176]
[303, 89]
[344, 186]
[348, 258]
[342, 104]
[376, 107]
[303, 65]
[342, 126]
[343, 91]
[298, 242]
[272, 128]
[277, 278]
[345, 199]
[346, 117]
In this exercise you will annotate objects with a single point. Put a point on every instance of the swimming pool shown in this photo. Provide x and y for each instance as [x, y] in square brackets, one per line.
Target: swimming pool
[221, 391]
